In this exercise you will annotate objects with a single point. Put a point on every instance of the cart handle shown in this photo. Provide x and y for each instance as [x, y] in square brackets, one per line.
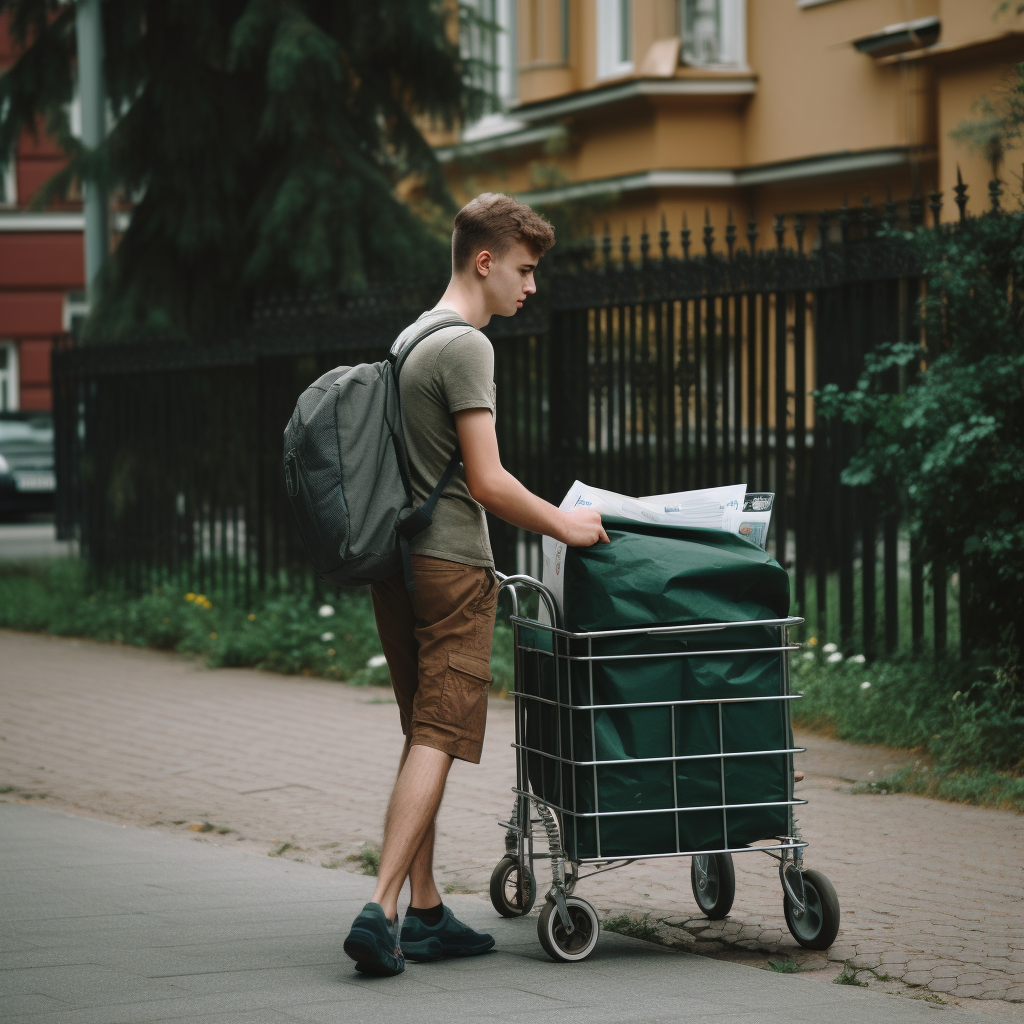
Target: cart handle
[510, 583]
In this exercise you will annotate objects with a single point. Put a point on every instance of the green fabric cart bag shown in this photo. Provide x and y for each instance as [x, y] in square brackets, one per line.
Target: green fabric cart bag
[659, 576]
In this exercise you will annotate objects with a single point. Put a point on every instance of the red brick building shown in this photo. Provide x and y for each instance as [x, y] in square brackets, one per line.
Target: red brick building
[42, 268]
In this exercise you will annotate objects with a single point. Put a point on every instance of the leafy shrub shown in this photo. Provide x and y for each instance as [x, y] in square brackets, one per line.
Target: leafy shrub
[333, 636]
[965, 714]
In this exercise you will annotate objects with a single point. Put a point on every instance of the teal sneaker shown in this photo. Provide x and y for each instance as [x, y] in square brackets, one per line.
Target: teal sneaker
[422, 942]
[373, 943]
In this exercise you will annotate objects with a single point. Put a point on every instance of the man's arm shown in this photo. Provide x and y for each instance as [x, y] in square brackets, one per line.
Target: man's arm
[503, 495]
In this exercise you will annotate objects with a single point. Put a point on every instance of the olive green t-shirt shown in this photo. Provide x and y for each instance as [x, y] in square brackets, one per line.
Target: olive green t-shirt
[451, 370]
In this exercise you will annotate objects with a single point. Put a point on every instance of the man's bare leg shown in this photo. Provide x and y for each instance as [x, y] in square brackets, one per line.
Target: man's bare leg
[409, 822]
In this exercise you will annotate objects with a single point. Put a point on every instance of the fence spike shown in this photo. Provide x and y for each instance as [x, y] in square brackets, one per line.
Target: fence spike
[779, 229]
[844, 221]
[663, 238]
[684, 238]
[867, 216]
[709, 232]
[915, 207]
[624, 244]
[935, 205]
[645, 241]
[798, 230]
[890, 207]
[994, 192]
[730, 234]
[823, 219]
[606, 244]
[752, 236]
[961, 194]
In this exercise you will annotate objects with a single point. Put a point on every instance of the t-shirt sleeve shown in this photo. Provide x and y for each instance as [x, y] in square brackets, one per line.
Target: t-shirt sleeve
[465, 373]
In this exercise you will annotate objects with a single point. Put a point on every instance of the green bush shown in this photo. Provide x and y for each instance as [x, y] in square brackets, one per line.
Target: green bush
[965, 715]
[333, 636]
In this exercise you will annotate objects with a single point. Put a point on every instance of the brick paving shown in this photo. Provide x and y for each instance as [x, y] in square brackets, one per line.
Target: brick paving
[932, 894]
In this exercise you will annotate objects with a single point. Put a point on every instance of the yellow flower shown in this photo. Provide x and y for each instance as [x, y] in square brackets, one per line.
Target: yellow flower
[190, 596]
[213, 636]
[331, 652]
[207, 603]
[252, 617]
[813, 641]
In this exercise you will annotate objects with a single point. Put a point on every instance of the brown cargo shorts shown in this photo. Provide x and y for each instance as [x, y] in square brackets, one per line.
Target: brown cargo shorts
[437, 641]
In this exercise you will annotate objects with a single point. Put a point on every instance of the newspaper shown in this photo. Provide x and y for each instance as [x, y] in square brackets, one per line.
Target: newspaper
[728, 508]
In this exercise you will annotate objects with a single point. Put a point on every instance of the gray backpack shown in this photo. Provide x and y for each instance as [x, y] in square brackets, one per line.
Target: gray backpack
[347, 472]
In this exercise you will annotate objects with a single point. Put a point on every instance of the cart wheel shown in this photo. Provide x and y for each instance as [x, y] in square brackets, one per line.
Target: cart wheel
[713, 880]
[569, 948]
[508, 897]
[816, 927]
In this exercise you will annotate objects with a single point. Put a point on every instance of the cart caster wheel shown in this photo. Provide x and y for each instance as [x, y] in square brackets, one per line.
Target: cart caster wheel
[508, 897]
[569, 948]
[713, 880]
[816, 927]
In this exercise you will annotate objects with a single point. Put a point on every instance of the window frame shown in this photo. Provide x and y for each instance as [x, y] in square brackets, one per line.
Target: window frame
[732, 41]
[9, 376]
[612, 42]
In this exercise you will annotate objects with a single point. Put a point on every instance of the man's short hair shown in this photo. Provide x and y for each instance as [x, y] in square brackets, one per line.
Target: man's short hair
[495, 222]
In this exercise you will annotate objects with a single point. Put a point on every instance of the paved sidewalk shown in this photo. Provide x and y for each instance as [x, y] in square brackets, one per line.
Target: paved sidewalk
[932, 894]
[108, 925]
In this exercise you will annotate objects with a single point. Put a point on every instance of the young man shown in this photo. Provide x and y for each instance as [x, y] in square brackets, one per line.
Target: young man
[437, 639]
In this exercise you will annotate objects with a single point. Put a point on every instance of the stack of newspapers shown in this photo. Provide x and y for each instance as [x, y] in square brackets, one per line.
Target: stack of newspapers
[730, 508]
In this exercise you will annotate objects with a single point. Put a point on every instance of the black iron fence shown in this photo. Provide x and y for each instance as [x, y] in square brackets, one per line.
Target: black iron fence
[662, 373]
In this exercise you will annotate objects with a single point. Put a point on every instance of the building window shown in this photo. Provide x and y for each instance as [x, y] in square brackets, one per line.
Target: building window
[545, 33]
[714, 32]
[487, 38]
[9, 183]
[614, 38]
[8, 376]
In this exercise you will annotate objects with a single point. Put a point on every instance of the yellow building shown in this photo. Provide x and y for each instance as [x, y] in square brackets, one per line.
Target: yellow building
[757, 107]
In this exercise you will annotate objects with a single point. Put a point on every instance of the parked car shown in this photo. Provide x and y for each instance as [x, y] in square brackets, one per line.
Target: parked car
[27, 478]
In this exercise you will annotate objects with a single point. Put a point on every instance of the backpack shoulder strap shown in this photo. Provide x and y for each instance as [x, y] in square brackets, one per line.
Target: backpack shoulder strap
[420, 518]
[397, 360]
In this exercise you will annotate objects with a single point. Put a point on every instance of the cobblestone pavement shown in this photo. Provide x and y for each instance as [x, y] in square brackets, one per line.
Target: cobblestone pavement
[932, 894]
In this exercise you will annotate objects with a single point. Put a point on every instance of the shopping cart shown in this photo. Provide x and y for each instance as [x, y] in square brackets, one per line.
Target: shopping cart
[695, 769]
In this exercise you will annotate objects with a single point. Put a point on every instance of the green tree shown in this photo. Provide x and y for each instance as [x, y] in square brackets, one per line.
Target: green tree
[948, 449]
[260, 140]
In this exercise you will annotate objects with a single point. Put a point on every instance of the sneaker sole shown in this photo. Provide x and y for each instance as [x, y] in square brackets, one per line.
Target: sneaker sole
[368, 961]
[426, 957]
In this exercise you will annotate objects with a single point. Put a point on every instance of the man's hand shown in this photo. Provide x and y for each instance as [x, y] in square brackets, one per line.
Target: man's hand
[582, 528]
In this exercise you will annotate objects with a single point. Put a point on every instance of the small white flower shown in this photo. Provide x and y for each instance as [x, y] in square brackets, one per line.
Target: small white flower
[834, 657]
[326, 611]
[327, 637]
[808, 655]
[858, 659]
[830, 648]
[866, 685]
[376, 661]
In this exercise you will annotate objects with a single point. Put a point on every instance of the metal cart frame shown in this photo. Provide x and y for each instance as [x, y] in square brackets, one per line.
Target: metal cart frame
[569, 925]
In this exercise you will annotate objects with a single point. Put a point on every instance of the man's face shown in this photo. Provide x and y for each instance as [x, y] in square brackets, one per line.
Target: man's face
[509, 279]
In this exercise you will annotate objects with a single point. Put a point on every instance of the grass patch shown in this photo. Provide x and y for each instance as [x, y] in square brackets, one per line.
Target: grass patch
[323, 634]
[367, 859]
[966, 718]
[789, 966]
[982, 787]
[636, 926]
[281, 849]
[849, 977]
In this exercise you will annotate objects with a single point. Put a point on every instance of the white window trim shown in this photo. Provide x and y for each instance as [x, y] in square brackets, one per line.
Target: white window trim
[10, 375]
[508, 69]
[733, 41]
[609, 41]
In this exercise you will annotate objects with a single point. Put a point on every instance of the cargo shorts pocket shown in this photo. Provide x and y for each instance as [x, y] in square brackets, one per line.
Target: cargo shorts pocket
[464, 696]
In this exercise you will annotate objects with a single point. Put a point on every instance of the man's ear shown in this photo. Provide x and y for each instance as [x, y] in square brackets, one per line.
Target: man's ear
[483, 262]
